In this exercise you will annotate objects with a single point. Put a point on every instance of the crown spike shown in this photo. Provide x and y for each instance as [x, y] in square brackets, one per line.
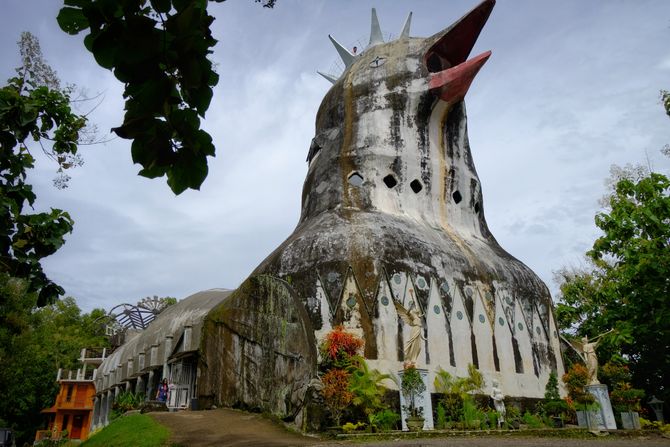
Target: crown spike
[345, 54]
[375, 31]
[405, 29]
[328, 76]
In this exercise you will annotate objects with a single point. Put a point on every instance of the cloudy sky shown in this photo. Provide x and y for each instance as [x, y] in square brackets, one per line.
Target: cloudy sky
[572, 88]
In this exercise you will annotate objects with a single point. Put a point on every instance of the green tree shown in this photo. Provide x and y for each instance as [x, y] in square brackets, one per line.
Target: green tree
[53, 338]
[159, 49]
[627, 287]
[33, 107]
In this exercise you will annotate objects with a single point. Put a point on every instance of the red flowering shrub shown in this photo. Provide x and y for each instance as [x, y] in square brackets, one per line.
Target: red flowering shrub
[336, 394]
[339, 348]
[575, 381]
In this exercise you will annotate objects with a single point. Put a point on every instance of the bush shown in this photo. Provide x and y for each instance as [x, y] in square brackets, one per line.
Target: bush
[385, 420]
[365, 384]
[339, 349]
[336, 394]
[575, 381]
[126, 401]
[412, 386]
[532, 420]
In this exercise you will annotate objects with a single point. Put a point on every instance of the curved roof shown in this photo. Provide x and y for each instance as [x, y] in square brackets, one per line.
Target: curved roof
[190, 311]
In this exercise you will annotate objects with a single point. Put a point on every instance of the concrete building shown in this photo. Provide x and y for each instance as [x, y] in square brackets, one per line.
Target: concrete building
[167, 349]
[392, 213]
[70, 416]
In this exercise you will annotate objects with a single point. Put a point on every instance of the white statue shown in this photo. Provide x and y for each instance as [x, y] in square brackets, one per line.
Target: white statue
[498, 402]
[587, 351]
[413, 319]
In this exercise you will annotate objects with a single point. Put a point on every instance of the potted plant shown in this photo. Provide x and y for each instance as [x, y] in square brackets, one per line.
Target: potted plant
[575, 381]
[412, 387]
[625, 399]
[553, 406]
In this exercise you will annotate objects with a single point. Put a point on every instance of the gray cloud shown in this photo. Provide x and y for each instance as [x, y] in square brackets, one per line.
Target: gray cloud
[571, 88]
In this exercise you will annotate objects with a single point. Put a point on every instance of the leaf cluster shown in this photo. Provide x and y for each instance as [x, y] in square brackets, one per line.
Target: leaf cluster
[366, 386]
[412, 386]
[623, 396]
[339, 349]
[30, 110]
[159, 49]
[627, 287]
[576, 379]
[336, 393]
[456, 391]
[51, 337]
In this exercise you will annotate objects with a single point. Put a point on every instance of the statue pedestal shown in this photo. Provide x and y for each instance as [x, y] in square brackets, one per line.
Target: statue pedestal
[422, 401]
[604, 414]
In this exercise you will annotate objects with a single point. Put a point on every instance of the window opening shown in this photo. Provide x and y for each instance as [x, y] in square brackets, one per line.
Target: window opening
[355, 179]
[390, 181]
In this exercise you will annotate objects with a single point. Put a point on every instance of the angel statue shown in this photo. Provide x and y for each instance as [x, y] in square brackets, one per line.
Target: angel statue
[498, 401]
[587, 351]
[413, 319]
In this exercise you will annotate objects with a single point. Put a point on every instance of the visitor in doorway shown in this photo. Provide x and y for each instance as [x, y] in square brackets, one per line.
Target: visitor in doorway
[161, 394]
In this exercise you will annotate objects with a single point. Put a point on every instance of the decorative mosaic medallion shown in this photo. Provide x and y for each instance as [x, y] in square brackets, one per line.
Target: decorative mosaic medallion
[501, 321]
[481, 318]
[520, 326]
[436, 309]
[351, 301]
[385, 300]
[459, 315]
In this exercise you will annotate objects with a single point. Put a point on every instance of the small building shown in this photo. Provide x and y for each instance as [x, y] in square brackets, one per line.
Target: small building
[169, 348]
[70, 416]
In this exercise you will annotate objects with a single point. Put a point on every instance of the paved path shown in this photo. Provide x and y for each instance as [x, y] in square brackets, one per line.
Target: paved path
[224, 427]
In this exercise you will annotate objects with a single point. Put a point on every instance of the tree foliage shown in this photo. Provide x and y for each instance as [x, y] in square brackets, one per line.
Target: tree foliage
[52, 338]
[32, 107]
[159, 49]
[627, 286]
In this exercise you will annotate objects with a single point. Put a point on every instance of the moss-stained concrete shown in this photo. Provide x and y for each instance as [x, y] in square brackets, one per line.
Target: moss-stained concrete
[258, 349]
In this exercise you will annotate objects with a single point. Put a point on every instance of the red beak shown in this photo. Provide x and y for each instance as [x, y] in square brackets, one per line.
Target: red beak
[451, 75]
[452, 84]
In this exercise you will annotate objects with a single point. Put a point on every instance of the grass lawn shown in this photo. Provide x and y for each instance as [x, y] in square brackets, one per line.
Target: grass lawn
[137, 430]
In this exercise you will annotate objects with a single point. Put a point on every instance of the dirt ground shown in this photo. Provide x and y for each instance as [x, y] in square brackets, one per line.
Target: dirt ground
[224, 427]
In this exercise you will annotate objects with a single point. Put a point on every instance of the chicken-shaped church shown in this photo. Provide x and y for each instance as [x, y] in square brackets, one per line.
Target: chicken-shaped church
[392, 218]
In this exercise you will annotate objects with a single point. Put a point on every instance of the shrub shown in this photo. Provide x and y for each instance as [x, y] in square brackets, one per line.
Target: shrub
[575, 381]
[365, 384]
[339, 348]
[385, 420]
[532, 420]
[412, 386]
[441, 422]
[626, 398]
[126, 401]
[336, 394]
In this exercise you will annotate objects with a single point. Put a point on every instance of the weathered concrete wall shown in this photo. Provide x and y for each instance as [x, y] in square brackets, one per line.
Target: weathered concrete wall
[258, 350]
[393, 210]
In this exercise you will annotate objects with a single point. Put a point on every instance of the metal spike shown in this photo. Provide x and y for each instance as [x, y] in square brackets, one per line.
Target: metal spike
[405, 29]
[328, 76]
[375, 31]
[345, 54]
